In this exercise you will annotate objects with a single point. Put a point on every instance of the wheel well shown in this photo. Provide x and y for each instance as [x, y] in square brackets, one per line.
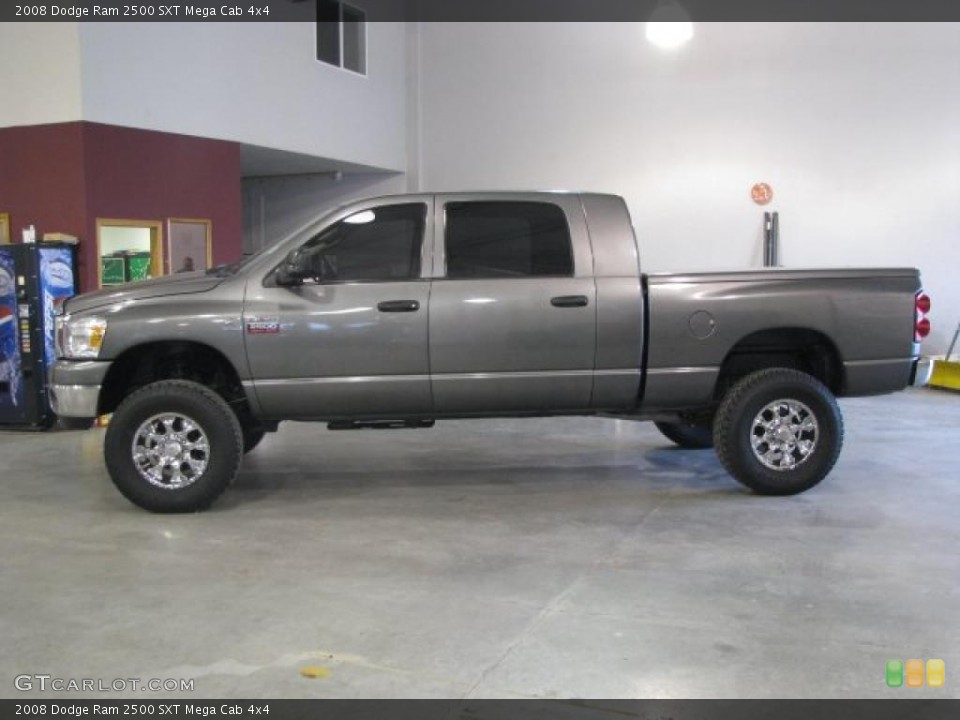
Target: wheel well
[177, 360]
[798, 348]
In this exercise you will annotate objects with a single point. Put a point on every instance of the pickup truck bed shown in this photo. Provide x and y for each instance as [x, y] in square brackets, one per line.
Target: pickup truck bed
[844, 321]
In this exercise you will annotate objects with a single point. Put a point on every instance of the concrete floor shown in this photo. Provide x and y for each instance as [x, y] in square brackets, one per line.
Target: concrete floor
[528, 558]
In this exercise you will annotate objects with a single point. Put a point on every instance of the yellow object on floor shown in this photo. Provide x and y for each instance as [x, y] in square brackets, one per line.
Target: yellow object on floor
[946, 374]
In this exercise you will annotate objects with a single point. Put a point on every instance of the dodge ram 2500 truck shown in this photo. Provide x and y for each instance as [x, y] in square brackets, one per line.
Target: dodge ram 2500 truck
[399, 311]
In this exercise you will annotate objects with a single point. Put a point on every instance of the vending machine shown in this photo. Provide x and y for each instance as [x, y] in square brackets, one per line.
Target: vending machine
[35, 280]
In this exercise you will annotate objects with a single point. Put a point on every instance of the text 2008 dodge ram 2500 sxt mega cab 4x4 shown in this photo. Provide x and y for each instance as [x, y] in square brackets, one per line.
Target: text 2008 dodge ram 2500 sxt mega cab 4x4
[398, 311]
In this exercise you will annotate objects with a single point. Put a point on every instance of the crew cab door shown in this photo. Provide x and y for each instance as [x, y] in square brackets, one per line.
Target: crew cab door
[352, 340]
[513, 305]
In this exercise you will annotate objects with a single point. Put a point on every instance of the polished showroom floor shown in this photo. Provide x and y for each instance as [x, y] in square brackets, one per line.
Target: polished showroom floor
[572, 558]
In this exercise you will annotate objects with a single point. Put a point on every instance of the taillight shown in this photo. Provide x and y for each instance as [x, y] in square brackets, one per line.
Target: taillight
[921, 326]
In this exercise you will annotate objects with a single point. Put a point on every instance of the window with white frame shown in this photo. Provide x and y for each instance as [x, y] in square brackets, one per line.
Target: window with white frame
[342, 35]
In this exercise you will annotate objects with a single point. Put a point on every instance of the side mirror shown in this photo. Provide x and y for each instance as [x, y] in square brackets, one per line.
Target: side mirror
[294, 269]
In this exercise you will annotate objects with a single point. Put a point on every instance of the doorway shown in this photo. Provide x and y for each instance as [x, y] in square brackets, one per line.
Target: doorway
[128, 251]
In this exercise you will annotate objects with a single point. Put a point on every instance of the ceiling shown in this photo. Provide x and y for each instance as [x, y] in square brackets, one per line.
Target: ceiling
[258, 161]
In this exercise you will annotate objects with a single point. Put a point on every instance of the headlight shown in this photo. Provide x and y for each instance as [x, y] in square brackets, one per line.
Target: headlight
[80, 337]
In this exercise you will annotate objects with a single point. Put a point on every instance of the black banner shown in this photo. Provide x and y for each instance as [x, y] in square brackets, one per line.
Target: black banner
[492, 709]
[481, 10]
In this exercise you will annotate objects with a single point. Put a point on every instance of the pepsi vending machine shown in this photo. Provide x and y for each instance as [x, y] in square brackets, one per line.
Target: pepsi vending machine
[35, 280]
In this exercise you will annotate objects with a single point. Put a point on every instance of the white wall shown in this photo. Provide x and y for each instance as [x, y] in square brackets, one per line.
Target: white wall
[124, 239]
[39, 73]
[856, 127]
[275, 207]
[255, 83]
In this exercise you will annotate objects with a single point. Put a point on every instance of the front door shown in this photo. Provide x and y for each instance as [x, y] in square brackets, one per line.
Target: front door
[351, 341]
[513, 308]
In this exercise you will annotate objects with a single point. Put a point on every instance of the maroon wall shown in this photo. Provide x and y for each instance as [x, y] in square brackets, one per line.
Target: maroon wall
[143, 175]
[42, 178]
[62, 177]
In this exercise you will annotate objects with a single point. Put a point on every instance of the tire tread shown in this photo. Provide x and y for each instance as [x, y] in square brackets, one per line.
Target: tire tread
[727, 417]
[191, 391]
[686, 436]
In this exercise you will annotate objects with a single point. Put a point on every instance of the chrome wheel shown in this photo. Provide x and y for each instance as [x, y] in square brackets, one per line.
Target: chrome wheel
[784, 435]
[173, 446]
[778, 431]
[170, 451]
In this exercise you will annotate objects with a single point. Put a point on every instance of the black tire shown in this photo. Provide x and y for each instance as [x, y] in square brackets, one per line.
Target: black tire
[799, 454]
[691, 436]
[252, 437]
[220, 452]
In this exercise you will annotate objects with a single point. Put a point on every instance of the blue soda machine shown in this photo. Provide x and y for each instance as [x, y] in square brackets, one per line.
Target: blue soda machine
[35, 280]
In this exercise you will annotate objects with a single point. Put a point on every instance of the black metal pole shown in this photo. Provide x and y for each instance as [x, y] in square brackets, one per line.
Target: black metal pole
[775, 241]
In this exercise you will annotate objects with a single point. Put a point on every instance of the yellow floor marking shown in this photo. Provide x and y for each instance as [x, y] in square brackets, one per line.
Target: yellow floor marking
[314, 671]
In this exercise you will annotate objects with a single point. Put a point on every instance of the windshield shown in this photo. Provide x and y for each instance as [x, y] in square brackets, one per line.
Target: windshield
[233, 268]
[228, 269]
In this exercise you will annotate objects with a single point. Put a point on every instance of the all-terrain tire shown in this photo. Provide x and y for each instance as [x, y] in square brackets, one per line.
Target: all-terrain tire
[252, 437]
[691, 436]
[173, 446]
[778, 431]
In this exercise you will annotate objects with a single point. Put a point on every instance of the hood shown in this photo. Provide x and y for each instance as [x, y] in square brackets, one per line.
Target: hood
[179, 284]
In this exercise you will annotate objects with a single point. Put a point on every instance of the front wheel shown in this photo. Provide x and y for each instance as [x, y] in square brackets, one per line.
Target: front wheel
[778, 431]
[173, 446]
[252, 437]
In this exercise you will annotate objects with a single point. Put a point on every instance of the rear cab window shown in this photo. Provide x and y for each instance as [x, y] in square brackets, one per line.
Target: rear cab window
[506, 239]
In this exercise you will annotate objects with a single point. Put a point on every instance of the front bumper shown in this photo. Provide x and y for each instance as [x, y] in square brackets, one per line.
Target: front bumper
[74, 387]
[922, 370]
[79, 401]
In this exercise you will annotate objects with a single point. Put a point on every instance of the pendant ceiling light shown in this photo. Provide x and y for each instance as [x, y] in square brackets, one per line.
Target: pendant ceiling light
[669, 26]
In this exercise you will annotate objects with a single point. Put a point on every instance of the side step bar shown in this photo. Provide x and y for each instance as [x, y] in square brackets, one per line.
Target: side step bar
[379, 424]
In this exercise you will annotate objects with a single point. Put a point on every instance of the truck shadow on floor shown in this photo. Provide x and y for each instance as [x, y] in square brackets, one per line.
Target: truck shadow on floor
[273, 474]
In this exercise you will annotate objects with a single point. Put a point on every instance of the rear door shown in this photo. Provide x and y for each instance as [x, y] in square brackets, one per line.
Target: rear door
[513, 307]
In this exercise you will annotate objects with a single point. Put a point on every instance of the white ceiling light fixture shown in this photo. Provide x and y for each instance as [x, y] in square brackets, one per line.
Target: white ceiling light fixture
[669, 26]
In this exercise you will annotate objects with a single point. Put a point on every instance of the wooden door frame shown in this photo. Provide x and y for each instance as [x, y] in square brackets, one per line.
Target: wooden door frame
[156, 242]
[195, 221]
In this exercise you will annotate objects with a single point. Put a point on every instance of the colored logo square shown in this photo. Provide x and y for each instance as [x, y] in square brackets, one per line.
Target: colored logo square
[894, 673]
[914, 673]
[936, 673]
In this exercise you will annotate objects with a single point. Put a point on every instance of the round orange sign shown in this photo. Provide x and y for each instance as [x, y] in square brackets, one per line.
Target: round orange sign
[761, 193]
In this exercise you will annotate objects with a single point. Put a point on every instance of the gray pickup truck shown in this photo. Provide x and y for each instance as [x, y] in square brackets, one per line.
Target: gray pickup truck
[398, 311]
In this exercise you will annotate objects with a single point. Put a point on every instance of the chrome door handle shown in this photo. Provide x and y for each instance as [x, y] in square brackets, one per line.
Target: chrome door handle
[398, 306]
[567, 301]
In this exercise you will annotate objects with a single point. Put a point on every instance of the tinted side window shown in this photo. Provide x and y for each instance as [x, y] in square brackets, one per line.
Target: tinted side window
[507, 239]
[378, 244]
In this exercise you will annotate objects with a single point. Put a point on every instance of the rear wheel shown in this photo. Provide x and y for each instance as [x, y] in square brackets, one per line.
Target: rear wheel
[173, 446]
[692, 435]
[72, 423]
[778, 431]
